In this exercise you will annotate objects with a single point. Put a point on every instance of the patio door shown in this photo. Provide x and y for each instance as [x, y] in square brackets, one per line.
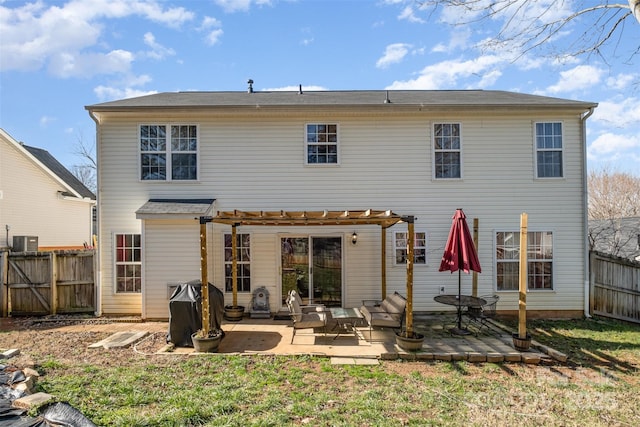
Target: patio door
[312, 265]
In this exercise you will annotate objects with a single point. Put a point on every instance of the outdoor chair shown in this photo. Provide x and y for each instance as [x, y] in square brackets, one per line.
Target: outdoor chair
[306, 308]
[314, 319]
[482, 315]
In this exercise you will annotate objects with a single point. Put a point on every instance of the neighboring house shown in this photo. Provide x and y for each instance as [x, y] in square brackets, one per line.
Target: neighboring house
[40, 198]
[167, 159]
[616, 236]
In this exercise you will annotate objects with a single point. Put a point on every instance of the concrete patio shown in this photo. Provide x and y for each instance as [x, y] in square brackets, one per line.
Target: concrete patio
[269, 336]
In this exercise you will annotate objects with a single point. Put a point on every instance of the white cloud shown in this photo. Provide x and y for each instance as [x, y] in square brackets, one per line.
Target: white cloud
[106, 93]
[577, 78]
[212, 28]
[87, 65]
[409, 13]
[393, 54]
[615, 149]
[618, 112]
[67, 37]
[231, 6]
[459, 40]
[621, 81]
[45, 120]
[157, 51]
[447, 74]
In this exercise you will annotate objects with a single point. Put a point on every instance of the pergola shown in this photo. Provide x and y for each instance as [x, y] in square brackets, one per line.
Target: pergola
[235, 218]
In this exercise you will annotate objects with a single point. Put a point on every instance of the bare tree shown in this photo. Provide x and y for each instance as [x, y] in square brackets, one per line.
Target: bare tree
[528, 25]
[614, 212]
[613, 194]
[86, 171]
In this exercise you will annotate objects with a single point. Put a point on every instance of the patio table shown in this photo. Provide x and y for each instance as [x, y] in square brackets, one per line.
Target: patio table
[346, 319]
[460, 302]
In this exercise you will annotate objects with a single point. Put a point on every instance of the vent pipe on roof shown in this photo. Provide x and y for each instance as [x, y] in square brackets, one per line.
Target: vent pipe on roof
[250, 88]
[386, 99]
[299, 89]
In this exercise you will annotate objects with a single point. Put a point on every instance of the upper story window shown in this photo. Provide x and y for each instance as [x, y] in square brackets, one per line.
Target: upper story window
[549, 150]
[322, 144]
[447, 152]
[128, 262]
[539, 260]
[243, 262]
[419, 247]
[171, 156]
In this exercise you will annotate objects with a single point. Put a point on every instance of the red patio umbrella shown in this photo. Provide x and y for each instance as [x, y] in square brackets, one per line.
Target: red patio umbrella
[460, 252]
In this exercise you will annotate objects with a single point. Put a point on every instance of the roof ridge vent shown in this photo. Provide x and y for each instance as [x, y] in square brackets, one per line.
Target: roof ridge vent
[250, 88]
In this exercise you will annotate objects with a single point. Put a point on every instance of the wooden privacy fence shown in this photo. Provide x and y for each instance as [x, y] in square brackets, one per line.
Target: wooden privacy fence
[40, 283]
[615, 287]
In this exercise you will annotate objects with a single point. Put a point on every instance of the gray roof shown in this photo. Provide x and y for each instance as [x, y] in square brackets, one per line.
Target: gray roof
[176, 207]
[63, 173]
[616, 236]
[354, 98]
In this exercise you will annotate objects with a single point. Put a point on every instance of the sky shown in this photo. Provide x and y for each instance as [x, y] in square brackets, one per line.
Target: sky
[56, 57]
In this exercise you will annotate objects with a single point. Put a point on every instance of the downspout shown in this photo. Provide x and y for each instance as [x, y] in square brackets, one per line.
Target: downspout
[97, 263]
[585, 214]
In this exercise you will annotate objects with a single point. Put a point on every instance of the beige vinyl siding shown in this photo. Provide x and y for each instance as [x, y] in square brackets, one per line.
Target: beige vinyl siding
[171, 255]
[31, 205]
[385, 163]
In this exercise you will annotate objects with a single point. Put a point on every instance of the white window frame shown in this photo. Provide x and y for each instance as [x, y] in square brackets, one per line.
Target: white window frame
[538, 150]
[532, 245]
[399, 244]
[434, 150]
[308, 144]
[227, 263]
[168, 152]
[134, 262]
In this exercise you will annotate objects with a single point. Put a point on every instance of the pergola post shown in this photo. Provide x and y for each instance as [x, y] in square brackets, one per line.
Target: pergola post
[410, 254]
[234, 264]
[383, 263]
[204, 274]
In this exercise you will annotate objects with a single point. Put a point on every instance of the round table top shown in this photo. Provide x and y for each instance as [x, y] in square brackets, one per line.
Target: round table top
[460, 300]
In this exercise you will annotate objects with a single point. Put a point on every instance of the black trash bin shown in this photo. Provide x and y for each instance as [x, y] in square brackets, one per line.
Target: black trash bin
[185, 312]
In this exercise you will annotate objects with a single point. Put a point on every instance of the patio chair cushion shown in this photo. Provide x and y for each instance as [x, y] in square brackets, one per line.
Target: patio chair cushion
[311, 320]
[388, 314]
[305, 308]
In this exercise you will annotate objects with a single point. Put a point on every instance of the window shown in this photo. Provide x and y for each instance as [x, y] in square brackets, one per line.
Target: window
[549, 150]
[419, 247]
[447, 152]
[243, 259]
[322, 144]
[168, 157]
[539, 260]
[128, 263]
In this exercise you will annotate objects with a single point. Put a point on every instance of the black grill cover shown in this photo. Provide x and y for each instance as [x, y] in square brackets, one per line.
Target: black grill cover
[185, 312]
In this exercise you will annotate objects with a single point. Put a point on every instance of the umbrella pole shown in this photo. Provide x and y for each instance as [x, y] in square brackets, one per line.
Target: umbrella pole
[459, 298]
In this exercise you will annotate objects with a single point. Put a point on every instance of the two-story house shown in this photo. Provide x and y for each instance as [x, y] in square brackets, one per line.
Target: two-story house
[42, 205]
[167, 159]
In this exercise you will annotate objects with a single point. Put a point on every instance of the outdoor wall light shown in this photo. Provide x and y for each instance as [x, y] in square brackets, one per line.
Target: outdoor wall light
[354, 238]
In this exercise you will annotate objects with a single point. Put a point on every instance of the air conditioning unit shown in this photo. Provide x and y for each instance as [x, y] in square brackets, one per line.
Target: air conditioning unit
[25, 243]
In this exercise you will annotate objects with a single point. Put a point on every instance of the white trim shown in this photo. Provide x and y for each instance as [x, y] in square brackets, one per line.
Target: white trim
[337, 144]
[426, 248]
[536, 150]
[168, 152]
[114, 263]
[554, 261]
[433, 150]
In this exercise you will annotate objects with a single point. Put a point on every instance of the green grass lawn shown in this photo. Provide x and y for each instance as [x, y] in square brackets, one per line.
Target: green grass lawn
[598, 386]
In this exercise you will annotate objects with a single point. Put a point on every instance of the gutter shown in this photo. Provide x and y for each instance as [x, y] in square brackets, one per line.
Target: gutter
[585, 219]
[98, 263]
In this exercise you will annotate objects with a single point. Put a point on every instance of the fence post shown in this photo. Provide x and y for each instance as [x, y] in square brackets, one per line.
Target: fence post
[53, 277]
[4, 285]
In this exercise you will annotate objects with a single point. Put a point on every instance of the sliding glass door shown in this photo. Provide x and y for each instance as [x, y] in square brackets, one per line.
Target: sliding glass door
[312, 265]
